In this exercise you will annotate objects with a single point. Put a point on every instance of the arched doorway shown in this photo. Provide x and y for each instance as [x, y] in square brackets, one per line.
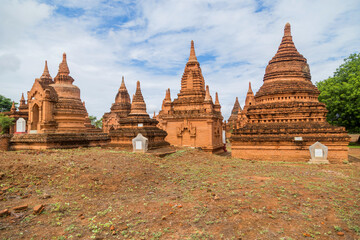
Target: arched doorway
[35, 118]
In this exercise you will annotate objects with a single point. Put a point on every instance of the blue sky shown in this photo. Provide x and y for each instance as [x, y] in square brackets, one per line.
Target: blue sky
[150, 40]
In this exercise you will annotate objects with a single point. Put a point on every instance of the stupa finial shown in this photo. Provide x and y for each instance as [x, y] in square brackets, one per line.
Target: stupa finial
[287, 29]
[167, 95]
[63, 67]
[138, 106]
[122, 86]
[192, 56]
[250, 90]
[46, 73]
[217, 99]
[13, 108]
[207, 94]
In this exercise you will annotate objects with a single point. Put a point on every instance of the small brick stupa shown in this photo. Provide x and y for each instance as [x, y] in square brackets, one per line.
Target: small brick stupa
[287, 117]
[234, 112]
[130, 123]
[21, 112]
[192, 119]
[57, 118]
[120, 109]
[231, 123]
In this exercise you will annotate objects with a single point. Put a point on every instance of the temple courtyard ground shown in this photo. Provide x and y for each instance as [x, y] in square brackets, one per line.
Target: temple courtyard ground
[107, 194]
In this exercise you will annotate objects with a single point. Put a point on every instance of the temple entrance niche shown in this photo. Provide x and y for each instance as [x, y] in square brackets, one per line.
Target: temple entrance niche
[35, 119]
[186, 139]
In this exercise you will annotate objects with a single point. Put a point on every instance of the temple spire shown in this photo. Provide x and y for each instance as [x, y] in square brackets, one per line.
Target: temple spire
[217, 106]
[63, 67]
[123, 96]
[138, 106]
[167, 95]
[250, 90]
[217, 99]
[13, 108]
[122, 86]
[192, 56]
[207, 94]
[46, 74]
[22, 101]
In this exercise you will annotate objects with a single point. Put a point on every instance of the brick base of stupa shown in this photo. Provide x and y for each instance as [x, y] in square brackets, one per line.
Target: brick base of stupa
[122, 137]
[57, 140]
[288, 143]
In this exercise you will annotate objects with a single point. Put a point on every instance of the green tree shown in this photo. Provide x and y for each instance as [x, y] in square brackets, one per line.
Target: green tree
[5, 104]
[341, 94]
[5, 123]
[95, 122]
[98, 123]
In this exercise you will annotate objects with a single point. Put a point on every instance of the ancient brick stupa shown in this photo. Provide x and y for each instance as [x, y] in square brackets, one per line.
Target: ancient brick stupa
[192, 119]
[230, 124]
[287, 117]
[56, 115]
[234, 112]
[127, 123]
[120, 109]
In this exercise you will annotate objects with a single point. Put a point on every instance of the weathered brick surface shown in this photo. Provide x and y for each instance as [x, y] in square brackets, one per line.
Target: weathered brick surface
[20, 208]
[4, 212]
[4, 142]
[38, 208]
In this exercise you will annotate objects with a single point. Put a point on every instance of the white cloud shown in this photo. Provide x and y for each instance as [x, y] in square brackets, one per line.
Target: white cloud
[149, 41]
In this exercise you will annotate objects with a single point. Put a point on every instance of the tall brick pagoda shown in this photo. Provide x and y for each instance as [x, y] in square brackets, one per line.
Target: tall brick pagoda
[130, 123]
[287, 117]
[192, 119]
[120, 109]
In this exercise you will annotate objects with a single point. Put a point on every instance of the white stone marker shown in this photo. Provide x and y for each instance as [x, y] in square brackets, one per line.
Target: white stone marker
[21, 125]
[140, 143]
[318, 153]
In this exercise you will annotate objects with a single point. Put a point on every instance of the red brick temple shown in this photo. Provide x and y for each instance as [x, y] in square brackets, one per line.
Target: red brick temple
[56, 116]
[192, 119]
[125, 121]
[287, 117]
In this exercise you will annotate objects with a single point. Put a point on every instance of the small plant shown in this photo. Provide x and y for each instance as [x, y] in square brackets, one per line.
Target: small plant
[337, 228]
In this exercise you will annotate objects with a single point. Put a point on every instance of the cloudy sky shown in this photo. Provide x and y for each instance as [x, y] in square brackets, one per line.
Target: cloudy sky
[150, 40]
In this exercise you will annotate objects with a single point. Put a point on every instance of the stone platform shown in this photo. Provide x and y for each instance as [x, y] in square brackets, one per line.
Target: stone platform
[279, 142]
[57, 140]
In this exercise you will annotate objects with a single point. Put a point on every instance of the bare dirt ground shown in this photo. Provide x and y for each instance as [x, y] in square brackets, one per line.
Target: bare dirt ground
[107, 194]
